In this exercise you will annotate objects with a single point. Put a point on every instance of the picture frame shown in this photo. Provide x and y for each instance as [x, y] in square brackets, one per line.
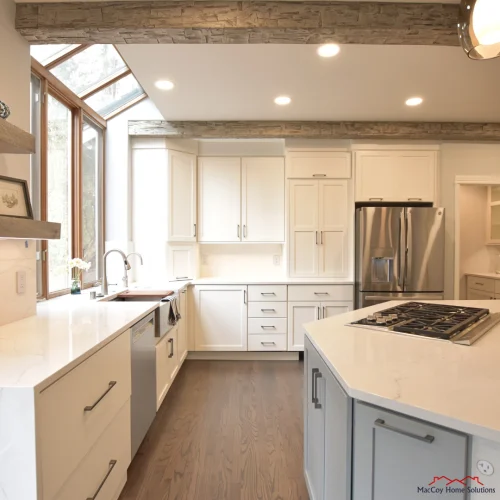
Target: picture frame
[15, 198]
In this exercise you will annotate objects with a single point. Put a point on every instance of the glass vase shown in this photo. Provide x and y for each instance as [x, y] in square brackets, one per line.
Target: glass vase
[76, 287]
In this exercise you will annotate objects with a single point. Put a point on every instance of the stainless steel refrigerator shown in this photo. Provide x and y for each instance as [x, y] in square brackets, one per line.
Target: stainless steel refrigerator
[399, 254]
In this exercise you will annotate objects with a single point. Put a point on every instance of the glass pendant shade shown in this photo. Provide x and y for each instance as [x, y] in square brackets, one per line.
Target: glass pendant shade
[479, 28]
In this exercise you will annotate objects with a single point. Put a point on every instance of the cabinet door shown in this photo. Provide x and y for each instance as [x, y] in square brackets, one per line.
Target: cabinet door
[173, 353]
[219, 192]
[304, 222]
[162, 370]
[182, 331]
[396, 175]
[182, 195]
[332, 164]
[221, 318]
[182, 261]
[333, 227]
[479, 295]
[314, 424]
[263, 199]
[329, 309]
[395, 455]
[300, 313]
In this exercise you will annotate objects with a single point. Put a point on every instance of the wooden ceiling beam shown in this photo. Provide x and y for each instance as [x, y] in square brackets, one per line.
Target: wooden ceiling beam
[284, 22]
[446, 131]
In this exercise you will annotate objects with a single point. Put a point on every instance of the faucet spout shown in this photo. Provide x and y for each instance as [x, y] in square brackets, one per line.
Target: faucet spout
[126, 267]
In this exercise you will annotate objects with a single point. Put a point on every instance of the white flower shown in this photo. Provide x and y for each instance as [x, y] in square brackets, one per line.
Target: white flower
[79, 264]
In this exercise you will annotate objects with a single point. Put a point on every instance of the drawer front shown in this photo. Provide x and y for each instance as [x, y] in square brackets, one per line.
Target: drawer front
[267, 293]
[483, 284]
[267, 343]
[267, 310]
[67, 425]
[105, 464]
[267, 325]
[320, 292]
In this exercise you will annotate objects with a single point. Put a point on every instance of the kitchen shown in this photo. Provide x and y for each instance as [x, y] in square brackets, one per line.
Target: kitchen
[244, 230]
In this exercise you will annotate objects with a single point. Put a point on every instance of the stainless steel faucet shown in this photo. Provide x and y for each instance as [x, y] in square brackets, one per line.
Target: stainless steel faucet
[126, 267]
[128, 260]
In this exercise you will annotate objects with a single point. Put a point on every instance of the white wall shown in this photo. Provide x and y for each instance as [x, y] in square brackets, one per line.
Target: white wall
[15, 91]
[230, 147]
[461, 159]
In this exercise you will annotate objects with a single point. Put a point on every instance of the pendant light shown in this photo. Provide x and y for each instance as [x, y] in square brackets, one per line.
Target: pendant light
[479, 28]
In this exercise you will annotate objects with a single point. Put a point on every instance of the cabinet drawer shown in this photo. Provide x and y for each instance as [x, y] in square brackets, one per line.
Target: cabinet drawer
[483, 284]
[266, 325]
[269, 293]
[106, 463]
[75, 410]
[267, 343]
[267, 310]
[319, 164]
[320, 292]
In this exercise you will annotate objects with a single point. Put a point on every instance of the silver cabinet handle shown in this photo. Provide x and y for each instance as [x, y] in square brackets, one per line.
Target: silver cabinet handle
[238, 231]
[321, 237]
[244, 296]
[181, 277]
[110, 386]
[324, 315]
[321, 293]
[316, 237]
[111, 466]
[316, 376]
[381, 423]
[479, 284]
[194, 230]
[268, 293]
[268, 343]
[183, 291]
[171, 342]
[319, 175]
[268, 310]
[268, 327]
[317, 313]
[244, 230]
[414, 199]
[313, 388]
[375, 199]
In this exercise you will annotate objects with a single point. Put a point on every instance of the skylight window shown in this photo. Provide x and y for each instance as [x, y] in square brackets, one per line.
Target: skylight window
[95, 73]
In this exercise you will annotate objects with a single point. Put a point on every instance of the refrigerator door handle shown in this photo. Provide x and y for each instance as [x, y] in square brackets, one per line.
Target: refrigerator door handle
[409, 244]
[400, 248]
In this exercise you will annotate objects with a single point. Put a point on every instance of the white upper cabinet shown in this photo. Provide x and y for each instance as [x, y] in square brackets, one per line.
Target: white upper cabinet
[241, 199]
[319, 228]
[182, 196]
[219, 188]
[263, 199]
[318, 164]
[396, 176]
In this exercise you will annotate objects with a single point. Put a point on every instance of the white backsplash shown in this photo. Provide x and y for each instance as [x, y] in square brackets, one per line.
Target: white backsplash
[251, 260]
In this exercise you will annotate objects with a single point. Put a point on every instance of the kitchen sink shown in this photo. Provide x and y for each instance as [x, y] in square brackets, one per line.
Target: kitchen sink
[149, 298]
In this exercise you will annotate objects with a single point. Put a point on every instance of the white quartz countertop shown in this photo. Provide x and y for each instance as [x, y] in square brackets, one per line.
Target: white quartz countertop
[485, 275]
[38, 350]
[450, 385]
[262, 280]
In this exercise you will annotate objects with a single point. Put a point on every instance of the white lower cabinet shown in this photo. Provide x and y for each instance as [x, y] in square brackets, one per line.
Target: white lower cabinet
[393, 455]
[182, 332]
[300, 313]
[167, 364]
[327, 431]
[220, 317]
[479, 295]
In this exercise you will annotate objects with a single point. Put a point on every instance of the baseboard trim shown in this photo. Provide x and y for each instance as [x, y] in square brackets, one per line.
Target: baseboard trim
[243, 356]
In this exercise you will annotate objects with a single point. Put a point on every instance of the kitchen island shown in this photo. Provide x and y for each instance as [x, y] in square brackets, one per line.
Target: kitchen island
[387, 416]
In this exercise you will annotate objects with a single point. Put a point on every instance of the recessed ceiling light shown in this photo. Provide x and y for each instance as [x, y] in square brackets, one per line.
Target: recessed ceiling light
[414, 101]
[164, 84]
[328, 50]
[282, 100]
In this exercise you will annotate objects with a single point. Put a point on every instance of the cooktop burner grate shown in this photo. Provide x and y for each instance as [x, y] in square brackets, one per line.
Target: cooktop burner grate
[429, 320]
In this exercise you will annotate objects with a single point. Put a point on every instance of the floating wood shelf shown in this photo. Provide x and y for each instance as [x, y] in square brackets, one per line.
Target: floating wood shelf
[13, 140]
[27, 229]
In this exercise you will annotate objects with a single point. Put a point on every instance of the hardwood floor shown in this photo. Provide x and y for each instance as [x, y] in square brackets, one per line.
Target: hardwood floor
[227, 430]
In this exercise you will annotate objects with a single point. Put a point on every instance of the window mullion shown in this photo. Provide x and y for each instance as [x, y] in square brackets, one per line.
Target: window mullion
[77, 183]
[44, 141]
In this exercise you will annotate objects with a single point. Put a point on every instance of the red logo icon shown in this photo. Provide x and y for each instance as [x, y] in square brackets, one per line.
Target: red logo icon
[451, 481]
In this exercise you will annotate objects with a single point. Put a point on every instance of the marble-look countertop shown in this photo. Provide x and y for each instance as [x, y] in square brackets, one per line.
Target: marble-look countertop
[36, 351]
[450, 385]
[262, 280]
[495, 276]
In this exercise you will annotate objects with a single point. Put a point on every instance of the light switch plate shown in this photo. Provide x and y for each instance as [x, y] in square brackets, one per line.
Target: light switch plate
[276, 260]
[21, 282]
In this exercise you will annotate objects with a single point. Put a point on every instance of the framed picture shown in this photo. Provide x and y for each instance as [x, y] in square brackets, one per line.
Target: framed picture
[15, 198]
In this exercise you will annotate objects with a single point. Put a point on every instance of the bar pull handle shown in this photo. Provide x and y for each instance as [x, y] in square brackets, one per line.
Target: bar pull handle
[268, 293]
[268, 327]
[111, 466]
[321, 237]
[316, 376]
[316, 237]
[268, 310]
[244, 230]
[319, 175]
[110, 386]
[182, 277]
[171, 342]
[313, 388]
[238, 233]
[244, 296]
[324, 316]
[194, 230]
[414, 199]
[376, 199]
[426, 439]
[317, 313]
[321, 293]
[268, 343]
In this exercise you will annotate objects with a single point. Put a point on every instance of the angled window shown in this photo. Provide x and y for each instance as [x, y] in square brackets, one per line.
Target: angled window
[46, 54]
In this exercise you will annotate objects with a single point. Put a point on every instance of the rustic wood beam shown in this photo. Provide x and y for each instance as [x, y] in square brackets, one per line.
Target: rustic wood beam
[316, 130]
[187, 21]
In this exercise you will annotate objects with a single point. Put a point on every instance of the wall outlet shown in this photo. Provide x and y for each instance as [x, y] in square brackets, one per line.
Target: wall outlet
[21, 282]
[485, 467]
[203, 260]
[276, 260]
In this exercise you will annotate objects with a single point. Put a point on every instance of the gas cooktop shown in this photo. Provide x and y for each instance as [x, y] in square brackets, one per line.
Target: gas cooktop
[462, 325]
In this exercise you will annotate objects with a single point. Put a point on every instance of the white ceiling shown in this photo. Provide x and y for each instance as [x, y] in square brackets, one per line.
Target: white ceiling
[364, 82]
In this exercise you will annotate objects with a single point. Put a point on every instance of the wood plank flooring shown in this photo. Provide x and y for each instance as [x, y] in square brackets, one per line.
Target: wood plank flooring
[227, 430]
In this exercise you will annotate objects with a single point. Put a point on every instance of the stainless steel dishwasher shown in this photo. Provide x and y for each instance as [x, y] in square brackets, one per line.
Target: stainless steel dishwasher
[143, 403]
